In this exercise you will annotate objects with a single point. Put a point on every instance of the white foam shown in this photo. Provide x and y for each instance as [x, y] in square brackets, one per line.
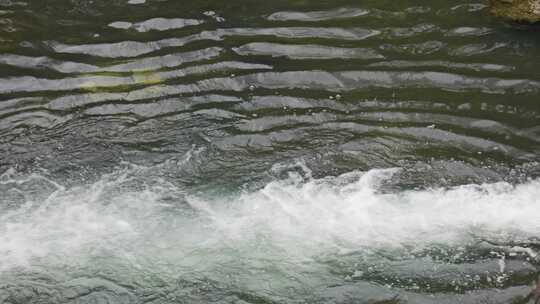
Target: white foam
[293, 216]
[348, 211]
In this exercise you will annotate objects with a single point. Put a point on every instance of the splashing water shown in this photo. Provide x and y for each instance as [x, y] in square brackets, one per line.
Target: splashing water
[241, 152]
[286, 229]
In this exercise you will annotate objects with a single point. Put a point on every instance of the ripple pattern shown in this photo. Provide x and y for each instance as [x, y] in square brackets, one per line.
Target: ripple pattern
[441, 90]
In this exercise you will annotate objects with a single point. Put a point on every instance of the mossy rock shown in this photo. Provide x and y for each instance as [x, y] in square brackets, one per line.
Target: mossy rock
[517, 10]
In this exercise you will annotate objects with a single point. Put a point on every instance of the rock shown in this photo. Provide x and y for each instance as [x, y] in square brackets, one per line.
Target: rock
[517, 10]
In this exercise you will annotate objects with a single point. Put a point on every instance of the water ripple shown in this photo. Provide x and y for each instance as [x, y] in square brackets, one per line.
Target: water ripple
[209, 152]
[156, 24]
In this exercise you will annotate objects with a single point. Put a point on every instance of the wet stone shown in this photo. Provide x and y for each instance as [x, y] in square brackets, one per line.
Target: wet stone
[517, 10]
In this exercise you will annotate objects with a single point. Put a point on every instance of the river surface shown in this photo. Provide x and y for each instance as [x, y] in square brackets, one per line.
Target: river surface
[285, 151]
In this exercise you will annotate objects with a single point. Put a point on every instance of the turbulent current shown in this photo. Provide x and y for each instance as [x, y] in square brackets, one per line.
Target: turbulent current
[284, 151]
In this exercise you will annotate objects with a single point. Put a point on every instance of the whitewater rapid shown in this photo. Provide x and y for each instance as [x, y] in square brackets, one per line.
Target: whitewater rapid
[298, 216]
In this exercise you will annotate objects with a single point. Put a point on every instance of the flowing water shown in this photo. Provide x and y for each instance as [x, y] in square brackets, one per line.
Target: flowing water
[289, 151]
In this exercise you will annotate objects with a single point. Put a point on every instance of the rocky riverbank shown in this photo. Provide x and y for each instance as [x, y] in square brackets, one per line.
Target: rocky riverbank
[518, 10]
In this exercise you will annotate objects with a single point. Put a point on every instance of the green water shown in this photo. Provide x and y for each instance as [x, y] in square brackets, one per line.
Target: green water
[166, 151]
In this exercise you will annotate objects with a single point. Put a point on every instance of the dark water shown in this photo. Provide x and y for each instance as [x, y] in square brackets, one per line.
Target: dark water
[267, 152]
